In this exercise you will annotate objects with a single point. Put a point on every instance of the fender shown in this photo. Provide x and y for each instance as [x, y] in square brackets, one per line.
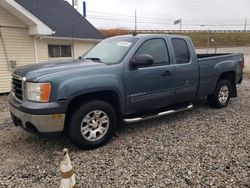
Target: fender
[223, 67]
[77, 86]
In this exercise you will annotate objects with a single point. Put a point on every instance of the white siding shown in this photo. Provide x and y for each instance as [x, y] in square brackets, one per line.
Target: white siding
[7, 19]
[19, 47]
[4, 71]
[80, 47]
[42, 50]
[12, 28]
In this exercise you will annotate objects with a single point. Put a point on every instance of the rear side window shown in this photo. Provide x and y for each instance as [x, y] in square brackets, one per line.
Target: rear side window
[181, 51]
[157, 49]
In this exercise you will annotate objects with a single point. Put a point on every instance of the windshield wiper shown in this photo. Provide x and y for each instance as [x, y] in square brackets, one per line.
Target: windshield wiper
[95, 59]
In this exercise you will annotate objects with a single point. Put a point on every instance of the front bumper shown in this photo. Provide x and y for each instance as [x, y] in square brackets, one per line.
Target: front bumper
[38, 123]
[38, 117]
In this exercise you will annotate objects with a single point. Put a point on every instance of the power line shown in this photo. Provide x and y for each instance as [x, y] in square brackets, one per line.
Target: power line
[99, 15]
[184, 4]
[127, 18]
[96, 13]
[130, 19]
[159, 22]
[118, 16]
[122, 17]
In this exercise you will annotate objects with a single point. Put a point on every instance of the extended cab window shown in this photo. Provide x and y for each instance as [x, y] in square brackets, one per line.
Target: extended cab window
[181, 51]
[157, 49]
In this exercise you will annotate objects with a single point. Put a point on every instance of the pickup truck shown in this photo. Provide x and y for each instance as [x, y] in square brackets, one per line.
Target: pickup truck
[122, 79]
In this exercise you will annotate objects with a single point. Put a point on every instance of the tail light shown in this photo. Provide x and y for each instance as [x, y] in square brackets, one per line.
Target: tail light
[242, 64]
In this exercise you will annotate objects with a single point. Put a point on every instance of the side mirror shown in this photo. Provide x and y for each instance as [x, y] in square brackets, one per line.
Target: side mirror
[142, 60]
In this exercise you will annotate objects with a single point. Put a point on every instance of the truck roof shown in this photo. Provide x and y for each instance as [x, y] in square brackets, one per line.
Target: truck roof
[140, 36]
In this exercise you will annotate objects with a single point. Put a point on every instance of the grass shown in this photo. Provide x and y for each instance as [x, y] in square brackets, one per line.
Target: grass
[199, 39]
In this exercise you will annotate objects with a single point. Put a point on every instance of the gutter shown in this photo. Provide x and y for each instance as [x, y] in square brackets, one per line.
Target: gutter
[69, 38]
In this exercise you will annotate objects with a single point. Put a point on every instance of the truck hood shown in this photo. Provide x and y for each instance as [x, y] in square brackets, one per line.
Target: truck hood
[41, 69]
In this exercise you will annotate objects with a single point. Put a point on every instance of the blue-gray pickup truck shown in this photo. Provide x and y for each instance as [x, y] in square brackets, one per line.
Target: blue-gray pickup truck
[122, 79]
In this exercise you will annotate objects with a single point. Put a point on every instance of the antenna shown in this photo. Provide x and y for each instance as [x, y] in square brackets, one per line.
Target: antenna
[75, 3]
[245, 26]
[135, 31]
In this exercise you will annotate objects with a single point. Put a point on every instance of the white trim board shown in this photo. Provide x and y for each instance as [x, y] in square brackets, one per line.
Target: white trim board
[36, 26]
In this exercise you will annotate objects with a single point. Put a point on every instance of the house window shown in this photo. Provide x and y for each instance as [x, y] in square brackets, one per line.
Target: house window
[60, 51]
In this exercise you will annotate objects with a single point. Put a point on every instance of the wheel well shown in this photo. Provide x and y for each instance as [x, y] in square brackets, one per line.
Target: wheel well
[230, 75]
[108, 96]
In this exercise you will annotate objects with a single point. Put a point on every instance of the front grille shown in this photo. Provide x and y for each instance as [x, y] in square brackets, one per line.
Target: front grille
[17, 87]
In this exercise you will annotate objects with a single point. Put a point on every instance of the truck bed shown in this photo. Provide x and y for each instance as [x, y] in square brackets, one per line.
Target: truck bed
[210, 67]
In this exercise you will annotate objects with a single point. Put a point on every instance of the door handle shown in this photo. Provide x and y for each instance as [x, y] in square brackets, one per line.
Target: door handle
[167, 73]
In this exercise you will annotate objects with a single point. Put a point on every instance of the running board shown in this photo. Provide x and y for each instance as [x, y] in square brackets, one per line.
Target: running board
[137, 119]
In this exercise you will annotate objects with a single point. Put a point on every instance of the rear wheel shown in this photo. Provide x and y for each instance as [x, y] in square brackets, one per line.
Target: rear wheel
[92, 124]
[222, 94]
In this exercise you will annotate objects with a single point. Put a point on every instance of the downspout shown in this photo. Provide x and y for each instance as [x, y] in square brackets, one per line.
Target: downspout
[5, 51]
[73, 49]
[35, 49]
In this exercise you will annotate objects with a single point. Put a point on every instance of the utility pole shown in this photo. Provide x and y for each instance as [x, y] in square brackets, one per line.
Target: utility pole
[245, 27]
[208, 37]
[181, 25]
[135, 31]
[208, 40]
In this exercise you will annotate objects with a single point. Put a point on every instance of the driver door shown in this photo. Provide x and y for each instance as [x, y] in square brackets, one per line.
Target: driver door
[151, 87]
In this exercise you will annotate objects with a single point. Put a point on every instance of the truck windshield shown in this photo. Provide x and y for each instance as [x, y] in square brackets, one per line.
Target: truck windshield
[110, 51]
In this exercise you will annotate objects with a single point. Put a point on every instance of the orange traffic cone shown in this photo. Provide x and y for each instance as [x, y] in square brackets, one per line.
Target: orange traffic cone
[67, 174]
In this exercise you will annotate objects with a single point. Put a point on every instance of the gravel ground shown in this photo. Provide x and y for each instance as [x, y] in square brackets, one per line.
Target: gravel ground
[202, 147]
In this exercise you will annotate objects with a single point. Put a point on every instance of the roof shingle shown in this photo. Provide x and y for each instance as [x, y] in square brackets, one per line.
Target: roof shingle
[62, 18]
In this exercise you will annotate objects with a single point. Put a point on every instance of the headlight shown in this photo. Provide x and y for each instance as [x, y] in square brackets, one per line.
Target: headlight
[38, 92]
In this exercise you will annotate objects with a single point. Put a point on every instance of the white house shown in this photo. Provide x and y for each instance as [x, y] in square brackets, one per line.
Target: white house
[33, 31]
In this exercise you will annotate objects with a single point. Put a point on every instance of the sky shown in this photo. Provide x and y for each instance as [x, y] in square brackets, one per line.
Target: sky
[160, 14]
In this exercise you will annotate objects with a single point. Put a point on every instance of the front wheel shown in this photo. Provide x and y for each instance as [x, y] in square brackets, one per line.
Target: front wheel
[221, 96]
[92, 124]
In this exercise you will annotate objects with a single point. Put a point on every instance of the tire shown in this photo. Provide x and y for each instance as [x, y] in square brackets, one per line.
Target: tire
[92, 124]
[222, 94]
